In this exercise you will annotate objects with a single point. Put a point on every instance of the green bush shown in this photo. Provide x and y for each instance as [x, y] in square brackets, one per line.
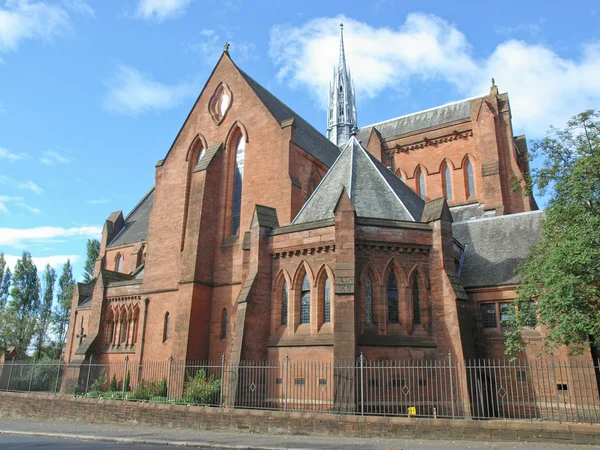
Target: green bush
[158, 399]
[113, 384]
[112, 395]
[127, 379]
[202, 390]
[99, 382]
[145, 390]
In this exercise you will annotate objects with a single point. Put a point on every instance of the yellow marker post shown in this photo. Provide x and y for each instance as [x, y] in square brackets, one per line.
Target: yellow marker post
[412, 411]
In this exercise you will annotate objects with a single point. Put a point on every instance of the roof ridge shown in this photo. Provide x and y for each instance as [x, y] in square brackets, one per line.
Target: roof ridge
[505, 216]
[138, 204]
[422, 111]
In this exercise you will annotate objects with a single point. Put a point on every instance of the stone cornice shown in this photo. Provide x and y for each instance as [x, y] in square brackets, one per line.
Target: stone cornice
[290, 252]
[427, 142]
[393, 247]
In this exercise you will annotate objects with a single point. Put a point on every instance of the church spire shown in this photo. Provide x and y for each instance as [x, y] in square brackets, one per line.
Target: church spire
[341, 113]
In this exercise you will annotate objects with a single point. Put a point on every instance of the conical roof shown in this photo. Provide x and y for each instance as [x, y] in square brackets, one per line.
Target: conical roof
[374, 190]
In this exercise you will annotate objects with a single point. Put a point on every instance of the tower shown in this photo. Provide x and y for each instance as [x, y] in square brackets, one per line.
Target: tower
[341, 113]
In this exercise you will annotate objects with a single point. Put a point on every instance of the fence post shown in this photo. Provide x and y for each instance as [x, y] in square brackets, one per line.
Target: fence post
[222, 379]
[361, 360]
[87, 382]
[556, 387]
[31, 376]
[169, 376]
[12, 363]
[124, 378]
[285, 382]
[57, 376]
[451, 383]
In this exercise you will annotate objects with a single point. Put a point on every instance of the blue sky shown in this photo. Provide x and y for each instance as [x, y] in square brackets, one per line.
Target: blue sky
[93, 93]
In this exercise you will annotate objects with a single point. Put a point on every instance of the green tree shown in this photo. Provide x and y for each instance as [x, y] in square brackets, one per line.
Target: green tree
[92, 250]
[560, 279]
[21, 319]
[62, 310]
[45, 314]
[5, 277]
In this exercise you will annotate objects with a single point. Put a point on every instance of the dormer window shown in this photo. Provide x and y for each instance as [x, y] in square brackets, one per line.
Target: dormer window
[220, 102]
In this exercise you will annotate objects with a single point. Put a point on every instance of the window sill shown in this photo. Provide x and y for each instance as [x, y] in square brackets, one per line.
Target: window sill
[119, 349]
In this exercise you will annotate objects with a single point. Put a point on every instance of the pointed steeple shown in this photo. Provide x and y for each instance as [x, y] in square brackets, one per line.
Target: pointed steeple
[341, 113]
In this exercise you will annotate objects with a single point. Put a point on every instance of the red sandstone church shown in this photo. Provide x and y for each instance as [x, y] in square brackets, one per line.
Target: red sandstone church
[263, 237]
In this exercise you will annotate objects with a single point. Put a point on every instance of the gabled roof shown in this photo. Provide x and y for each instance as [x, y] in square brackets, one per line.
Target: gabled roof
[374, 190]
[442, 115]
[136, 223]
[495, 246]
[306, 136]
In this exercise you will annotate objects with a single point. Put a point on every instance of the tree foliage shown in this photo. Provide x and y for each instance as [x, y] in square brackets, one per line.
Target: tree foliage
[45, 313]
[22, 310]
[560, 279]
[62, 310]
[92, 251]
[5, 280]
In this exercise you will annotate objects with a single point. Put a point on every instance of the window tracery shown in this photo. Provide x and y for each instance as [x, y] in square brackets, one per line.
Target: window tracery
[238, 177]
[220, 102]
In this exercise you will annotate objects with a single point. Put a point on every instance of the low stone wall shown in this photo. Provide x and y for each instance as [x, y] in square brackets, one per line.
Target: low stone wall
[41, 407]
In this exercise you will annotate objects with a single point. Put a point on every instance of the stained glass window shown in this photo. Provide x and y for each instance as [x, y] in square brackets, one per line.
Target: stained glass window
[238, 176]
[488, 315]
[422, 185]
[392, 296]
[305, 301]
[284, 304]
[368, 300]
[447, 183]
[470, 181]
[327, 302]
[224, 325]
[416, 302]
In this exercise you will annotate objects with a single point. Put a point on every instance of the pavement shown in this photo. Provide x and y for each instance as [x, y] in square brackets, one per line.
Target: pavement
[114, 436]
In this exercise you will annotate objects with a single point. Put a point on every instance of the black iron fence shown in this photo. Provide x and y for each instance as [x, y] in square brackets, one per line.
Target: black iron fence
[548, 389]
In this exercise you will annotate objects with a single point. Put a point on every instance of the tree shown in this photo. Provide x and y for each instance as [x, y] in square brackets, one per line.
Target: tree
[45, 314]
[93, 249]
[560, 279]
[21, 319]
[62, 311]
[5, 277]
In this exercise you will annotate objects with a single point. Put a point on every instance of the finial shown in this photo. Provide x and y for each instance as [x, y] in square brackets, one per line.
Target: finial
[354, 131]
[341, 26]
[494, 82]
[226, 47]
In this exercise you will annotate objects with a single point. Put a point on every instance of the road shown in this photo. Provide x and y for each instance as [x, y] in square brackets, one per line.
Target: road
[36, 442]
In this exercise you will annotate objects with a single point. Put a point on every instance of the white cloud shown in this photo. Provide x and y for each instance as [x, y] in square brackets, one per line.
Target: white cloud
[22, 236]
[210, 46]
[160, 10]
[544, 88]
[11, 157]
[24, 19]
[51, 157]
[30, 186]
[79, 6]
[18, 201]
[132, 92]
[56, 261]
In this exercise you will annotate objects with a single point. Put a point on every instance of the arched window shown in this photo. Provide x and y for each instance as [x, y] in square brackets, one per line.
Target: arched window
[447, 183]
[392, 296]
[416, 301]
[238, 176]
[327, 301]
[200, 155]
[305, 301]
[224, 102]
[224, 325]
[470, 181]
[420, 180]
[368, 300]
[284, 304]
[119, 263]
[166, 327]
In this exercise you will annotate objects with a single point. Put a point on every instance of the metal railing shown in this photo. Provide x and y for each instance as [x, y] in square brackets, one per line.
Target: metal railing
[549, 389]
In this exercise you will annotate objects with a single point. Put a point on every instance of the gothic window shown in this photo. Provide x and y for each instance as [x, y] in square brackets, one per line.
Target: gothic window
[200, 155]
[166, 327]
[305, 301]
[470, 180]
[224, 102]
[447, 183]
[416, 300]
[392, 297]
[220, 102]
[284, 304]
[327, 302]
[368, 300]
[224, 325]
[141, 255]
[420, 180]
[119, 263]
[238, 176]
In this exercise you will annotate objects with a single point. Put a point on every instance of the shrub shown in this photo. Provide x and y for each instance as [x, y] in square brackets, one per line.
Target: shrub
[99, 382]
[127, 379]
[112, 395]
[153, 388]
[113, 384]
[202, 390]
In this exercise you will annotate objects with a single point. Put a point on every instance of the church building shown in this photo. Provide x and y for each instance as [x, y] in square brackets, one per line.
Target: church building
[264, 237]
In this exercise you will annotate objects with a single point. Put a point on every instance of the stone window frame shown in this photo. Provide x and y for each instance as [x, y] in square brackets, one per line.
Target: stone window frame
[417, 275]
[166, 327]
[318, 322]
[371, 271]
[232, 140]
[119, 262]
[446, 169]
[282, 278]
[303, 269]
[420, 181]
[213, 103]
[192, 157]
[470, 189]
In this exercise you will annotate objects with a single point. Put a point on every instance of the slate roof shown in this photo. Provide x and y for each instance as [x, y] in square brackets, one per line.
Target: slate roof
[306, 136]
[496, 246]
[411, 123]
[374, 190]
[136, 223]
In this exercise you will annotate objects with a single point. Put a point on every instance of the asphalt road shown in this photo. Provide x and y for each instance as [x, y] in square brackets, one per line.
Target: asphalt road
[45, 443]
